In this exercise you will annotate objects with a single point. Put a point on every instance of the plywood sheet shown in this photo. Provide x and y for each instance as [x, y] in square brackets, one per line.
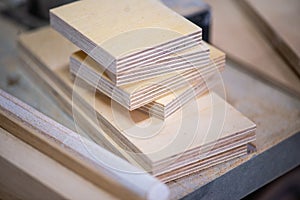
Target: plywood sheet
[279, 20]
[240, 39]
[117, 33]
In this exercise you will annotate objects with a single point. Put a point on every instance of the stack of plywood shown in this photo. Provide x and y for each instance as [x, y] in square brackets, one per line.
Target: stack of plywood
[188, 136]
[186, 141]
[138, 55]
[160, 40]
[139, 94]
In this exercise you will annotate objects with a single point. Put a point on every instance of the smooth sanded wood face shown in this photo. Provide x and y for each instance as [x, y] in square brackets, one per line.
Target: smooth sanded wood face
[120, 29]
[241, 40]
[43, 43]
[280, 22]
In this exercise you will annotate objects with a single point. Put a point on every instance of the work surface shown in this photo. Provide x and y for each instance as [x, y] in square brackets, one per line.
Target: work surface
[276, 113]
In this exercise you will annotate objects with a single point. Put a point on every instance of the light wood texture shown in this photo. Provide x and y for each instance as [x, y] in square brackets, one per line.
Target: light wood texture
[240, 39]
[42, 65]
[275, 125]
[167, 176]
[195, 57]
[118, 34]
[279, 20]
[205, 163]
[40, 177]
[136, 95]
[77, 153]
[87, 127]
[58, 63]
[114, 126]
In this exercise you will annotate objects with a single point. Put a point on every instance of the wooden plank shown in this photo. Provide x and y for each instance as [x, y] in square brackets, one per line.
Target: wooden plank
[249, 47]
[152, 33]
[279, 20]
[29, 174]
[77, 153]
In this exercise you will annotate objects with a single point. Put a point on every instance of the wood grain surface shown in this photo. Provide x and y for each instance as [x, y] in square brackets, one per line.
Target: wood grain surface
[279, 20]
[136, 95]
[98, 28]
[241, 40]
[131, 134]
[77, 153]
[39, 177]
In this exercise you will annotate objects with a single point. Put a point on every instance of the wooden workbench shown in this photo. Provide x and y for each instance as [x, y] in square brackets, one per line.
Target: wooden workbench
[276, 113]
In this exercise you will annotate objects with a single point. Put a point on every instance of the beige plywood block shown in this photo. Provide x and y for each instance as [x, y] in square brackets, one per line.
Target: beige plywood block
[120, 30]
[176, 136]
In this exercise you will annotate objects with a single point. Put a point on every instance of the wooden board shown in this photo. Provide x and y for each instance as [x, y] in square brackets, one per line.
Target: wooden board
[249, 47]
[205, 163]
[117, 34]
[77, 153]
[102, 106]
[29, 174]
[195, 57]
[136, 95]
[279, 20]
[160, 68]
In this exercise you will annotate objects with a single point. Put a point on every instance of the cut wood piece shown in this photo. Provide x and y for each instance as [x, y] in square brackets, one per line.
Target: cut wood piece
[249, 47]
[165, 106]
[118, 34]
[118, 123]
[27, 173]
[204, 164]
[77, 153]
[136, 95]
[195, 57]
[279, 20]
